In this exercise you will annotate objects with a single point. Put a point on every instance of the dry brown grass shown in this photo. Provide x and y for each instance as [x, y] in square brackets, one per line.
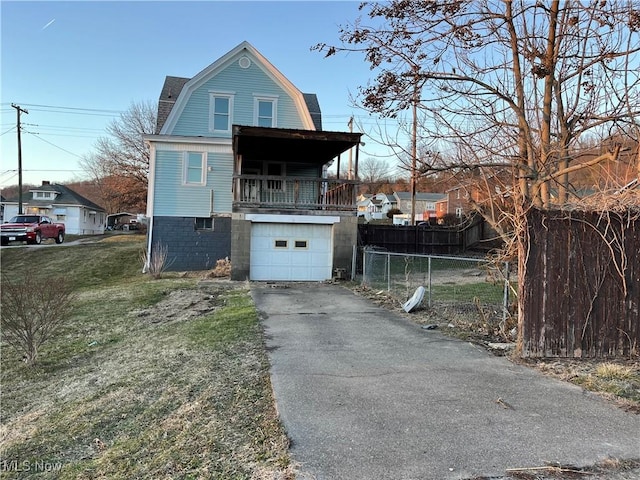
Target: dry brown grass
[163, 379]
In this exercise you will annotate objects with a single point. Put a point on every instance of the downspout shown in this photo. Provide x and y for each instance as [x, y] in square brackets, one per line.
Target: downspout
[150, 200]
[145, 267]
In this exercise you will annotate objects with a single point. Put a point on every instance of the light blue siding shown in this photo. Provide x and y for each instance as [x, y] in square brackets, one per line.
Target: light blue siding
[219, 179]
[172, 198]
[244, 83]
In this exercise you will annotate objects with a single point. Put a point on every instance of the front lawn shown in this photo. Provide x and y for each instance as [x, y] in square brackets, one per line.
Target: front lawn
[148, 379]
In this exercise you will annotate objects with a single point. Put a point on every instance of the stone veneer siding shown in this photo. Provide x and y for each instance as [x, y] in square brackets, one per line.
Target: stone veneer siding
[189, 249]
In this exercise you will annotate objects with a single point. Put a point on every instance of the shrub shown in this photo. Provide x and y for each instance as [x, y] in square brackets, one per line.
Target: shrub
[33, 309]
[157, 264]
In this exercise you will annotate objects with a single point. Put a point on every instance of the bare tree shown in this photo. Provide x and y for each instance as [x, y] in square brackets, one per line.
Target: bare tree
[515, 83]
[374, 172]
[505, 86]
[120, 163]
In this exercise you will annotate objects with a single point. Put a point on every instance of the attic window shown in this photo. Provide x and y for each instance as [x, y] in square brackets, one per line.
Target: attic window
[43, 195]
[244, 62]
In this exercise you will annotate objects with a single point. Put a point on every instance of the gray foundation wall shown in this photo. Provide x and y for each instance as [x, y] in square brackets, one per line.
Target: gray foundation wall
[189, 249]
[240, 247]
[345, 236]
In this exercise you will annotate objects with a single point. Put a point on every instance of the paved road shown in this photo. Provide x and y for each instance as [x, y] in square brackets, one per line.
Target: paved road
[366, 394]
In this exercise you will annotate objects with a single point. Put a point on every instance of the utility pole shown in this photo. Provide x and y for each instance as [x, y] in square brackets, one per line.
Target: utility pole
[414, 149]
[19, 110]
[350, 171]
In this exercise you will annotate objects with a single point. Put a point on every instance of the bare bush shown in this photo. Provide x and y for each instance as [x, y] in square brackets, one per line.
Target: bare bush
[33, 309]
[155, 263]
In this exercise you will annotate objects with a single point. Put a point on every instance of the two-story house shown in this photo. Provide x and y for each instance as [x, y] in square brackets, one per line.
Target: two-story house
[376, 206]
[427, 205]
[238, 169]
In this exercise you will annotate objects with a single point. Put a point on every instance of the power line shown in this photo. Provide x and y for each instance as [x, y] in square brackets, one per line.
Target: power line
[35, 135]
[103, 110]
[64, 127]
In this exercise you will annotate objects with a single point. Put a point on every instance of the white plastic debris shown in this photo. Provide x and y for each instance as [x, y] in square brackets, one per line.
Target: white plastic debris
[414, 301]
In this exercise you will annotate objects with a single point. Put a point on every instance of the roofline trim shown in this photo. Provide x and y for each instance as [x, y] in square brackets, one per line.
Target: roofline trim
[160, 138]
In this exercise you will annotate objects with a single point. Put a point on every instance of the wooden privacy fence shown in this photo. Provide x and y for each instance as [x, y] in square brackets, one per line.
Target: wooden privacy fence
[581, 285]
[422, 239]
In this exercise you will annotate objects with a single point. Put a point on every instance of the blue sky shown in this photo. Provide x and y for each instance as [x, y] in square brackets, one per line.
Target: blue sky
[75, 65]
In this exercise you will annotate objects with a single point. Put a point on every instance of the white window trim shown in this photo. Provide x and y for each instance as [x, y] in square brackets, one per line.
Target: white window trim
[274, 113]
[185, 168]
[212, 97]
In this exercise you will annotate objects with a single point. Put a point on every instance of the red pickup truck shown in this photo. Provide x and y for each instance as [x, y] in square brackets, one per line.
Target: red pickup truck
[31, 229]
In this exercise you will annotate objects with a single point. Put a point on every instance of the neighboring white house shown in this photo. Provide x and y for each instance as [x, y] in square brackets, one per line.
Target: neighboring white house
[363, 201]
[376, 206]
[79, 215]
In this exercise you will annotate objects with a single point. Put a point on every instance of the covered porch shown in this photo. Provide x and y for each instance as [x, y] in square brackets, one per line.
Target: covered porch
[285, 169]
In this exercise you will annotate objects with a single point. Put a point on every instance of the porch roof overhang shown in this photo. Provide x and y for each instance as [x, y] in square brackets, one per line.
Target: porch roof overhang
[310, 146]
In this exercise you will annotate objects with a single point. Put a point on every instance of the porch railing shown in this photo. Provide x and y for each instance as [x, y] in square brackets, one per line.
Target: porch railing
[270, 191]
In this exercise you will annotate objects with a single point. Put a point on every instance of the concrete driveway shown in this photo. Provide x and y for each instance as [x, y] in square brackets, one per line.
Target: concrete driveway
[366, 394]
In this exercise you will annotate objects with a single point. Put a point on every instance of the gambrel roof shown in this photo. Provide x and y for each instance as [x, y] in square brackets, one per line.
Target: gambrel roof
[176, 90]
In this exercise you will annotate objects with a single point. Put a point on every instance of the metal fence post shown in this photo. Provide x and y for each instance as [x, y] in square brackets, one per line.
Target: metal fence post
[364, 266]
[429, 277]
[388, 272]
[505, 304]
[354, 254]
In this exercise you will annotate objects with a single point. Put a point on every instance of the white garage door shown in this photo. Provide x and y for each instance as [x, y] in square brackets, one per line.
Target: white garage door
[293, 252]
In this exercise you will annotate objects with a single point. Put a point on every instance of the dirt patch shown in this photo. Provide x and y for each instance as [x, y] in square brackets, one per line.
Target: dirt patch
[186, 304]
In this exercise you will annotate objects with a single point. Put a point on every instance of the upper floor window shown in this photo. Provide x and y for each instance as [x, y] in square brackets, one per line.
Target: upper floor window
[194, 168]
[265, 111]
[43, 195]
[220, 112]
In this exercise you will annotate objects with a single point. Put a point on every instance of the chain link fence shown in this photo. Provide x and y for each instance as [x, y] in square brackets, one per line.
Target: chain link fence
[448, 280]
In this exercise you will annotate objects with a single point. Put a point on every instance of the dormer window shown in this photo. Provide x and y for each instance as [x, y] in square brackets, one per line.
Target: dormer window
[43, 195]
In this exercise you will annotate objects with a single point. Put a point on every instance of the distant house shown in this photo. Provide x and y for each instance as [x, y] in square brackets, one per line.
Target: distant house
[376, 206]
[475, 193]
[79, 215]
[428, 205]
[362, 202]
